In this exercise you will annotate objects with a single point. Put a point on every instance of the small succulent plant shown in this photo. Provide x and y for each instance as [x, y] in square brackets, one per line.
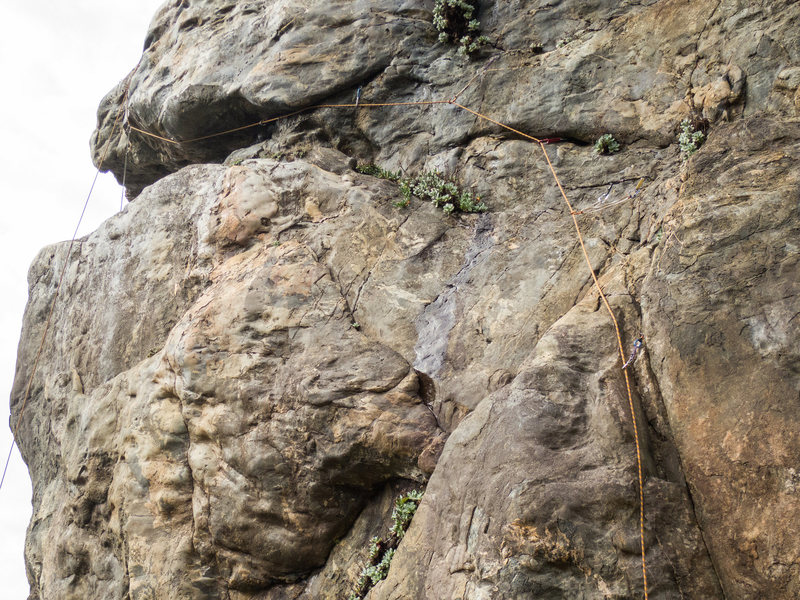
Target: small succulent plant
[382, 551]
[431, 185]
[689, 139]
[444, 193]
[456, 23]
[606, 144]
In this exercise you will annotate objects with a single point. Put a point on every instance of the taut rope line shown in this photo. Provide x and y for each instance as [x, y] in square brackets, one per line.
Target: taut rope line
[53, 302]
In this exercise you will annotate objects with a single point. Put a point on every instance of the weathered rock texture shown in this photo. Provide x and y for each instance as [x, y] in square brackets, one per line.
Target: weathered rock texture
[249, 363]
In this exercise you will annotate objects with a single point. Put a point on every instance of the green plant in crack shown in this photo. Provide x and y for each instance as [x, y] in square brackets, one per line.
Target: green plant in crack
[376, 171]
[606, 144]
[443, 192]
[378, 572]
[375, 548]
[403, 512]
[382, 551]
[405, 190]
[689, 139]
[456, 23]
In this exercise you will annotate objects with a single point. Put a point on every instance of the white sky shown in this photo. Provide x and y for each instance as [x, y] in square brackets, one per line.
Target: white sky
[57, 60]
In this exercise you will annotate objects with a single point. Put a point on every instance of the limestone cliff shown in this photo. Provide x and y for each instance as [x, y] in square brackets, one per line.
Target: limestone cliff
[251, 361]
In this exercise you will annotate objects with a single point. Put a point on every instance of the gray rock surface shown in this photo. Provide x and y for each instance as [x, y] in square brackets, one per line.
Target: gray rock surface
[249, 363]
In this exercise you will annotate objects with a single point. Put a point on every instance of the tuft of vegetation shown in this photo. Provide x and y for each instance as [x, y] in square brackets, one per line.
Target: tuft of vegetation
[378, 572]
[376, 171]
[606, 144]
[431, 185]
[689, 139]
[456, 23]
[382, 551]
[444, 193]
[404, 509]
[375, 548]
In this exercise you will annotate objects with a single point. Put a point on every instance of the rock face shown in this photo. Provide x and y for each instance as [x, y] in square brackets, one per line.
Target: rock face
[247, 365]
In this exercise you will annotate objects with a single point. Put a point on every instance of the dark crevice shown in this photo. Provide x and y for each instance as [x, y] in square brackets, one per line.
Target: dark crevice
[503, 135]
[427, 392]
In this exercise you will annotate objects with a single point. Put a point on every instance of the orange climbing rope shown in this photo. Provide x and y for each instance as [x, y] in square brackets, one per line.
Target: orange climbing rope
[573, 214]
[367, 105]
[622, 355]
[283, 116]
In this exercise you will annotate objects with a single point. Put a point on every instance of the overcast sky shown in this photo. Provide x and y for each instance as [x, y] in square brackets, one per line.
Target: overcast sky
[57, 59]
